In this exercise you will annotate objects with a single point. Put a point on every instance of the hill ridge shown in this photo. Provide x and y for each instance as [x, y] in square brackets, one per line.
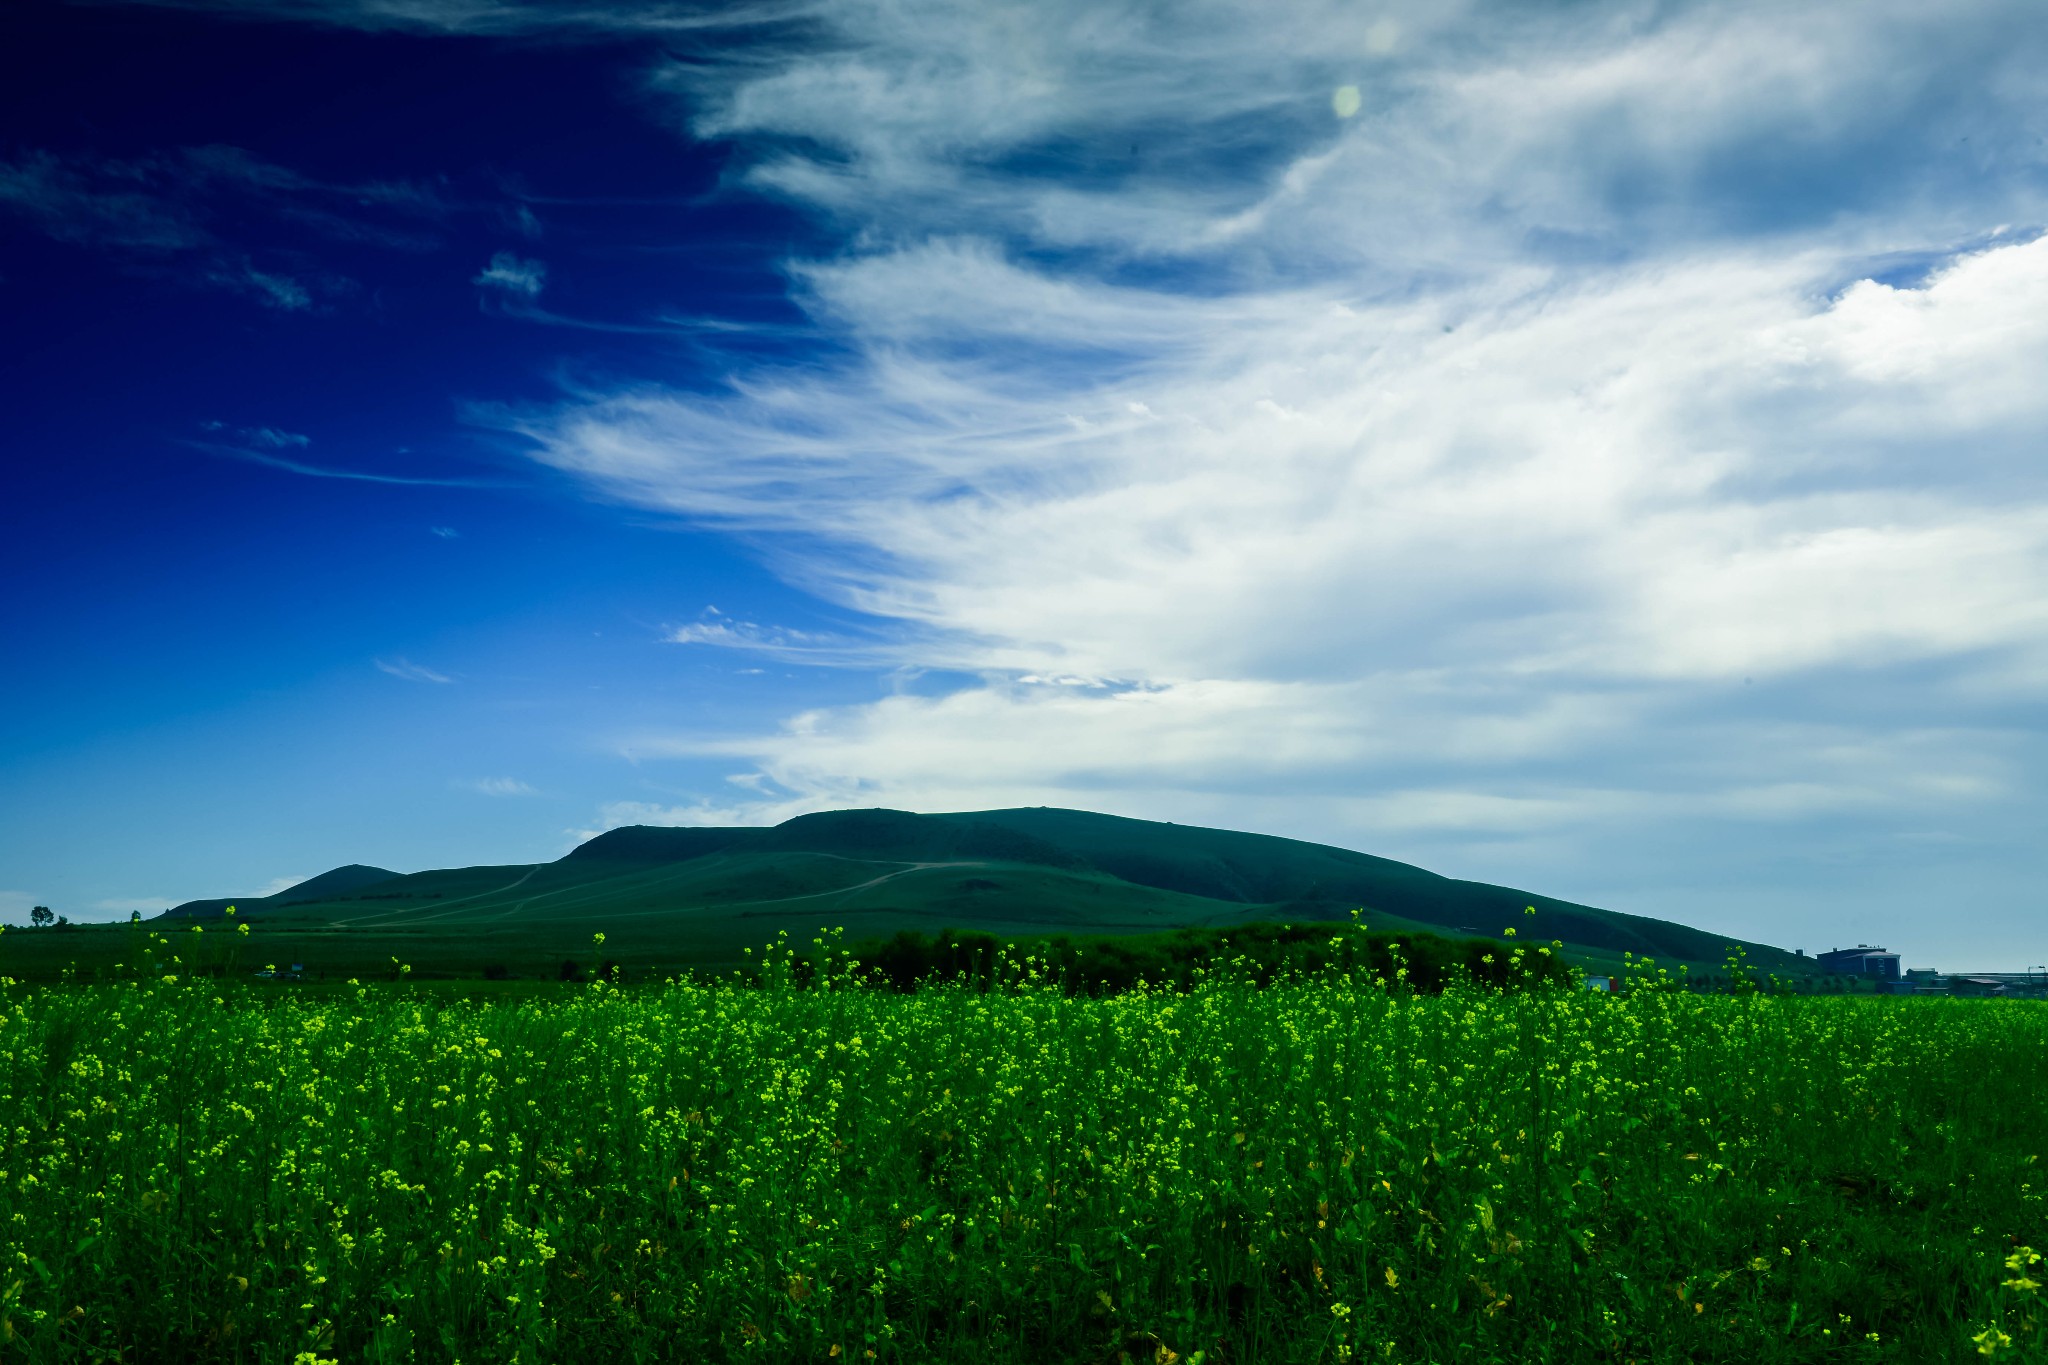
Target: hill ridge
[1020, 871]
[334, 881]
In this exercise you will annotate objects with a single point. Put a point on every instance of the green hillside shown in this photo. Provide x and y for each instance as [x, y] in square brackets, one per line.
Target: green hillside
[1318, 881]
[339, 881]
[668, 897]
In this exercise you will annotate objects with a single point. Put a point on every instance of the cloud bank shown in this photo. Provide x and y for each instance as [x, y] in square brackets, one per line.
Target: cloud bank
[1600, 444]
[1494, 438]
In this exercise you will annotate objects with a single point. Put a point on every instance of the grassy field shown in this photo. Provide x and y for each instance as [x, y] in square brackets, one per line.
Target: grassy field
[1323, 1171]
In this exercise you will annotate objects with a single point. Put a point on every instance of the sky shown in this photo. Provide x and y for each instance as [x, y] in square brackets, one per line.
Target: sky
[1594, 446]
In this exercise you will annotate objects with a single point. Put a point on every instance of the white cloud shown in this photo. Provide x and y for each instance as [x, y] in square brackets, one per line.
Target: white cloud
[784, 644]
[15, 905]
[257, 438]
[514, 276]
[1132, 128]
[617, 813]
[269, 288]
[1666, 477]
[499, 786]
[412, 672]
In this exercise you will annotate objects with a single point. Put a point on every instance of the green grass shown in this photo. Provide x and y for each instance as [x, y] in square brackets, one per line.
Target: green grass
[1319, 1171]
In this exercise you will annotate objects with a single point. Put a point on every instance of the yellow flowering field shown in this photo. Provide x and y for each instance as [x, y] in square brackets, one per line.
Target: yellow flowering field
[1322, 1170]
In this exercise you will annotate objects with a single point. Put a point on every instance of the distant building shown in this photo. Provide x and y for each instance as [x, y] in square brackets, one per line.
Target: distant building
[1599, 983]
[1926, 981]
[1862, 960]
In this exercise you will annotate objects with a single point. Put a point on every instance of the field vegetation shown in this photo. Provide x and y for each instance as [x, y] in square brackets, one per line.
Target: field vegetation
[813, 1164]
[1256, 953]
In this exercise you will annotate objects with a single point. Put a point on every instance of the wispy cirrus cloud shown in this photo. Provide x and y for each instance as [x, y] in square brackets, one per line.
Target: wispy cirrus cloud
[221, 216]
[410, 671]
[277, 449]
[785, 645]
[258, 438]
[572, 20]
[510, 286]
[514, 276]
[72, 204]
[269, 288]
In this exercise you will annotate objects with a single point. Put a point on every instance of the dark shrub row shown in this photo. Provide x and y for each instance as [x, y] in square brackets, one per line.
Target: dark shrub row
[1260, 953]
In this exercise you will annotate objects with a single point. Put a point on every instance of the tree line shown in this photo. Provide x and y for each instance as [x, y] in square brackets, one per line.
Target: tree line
[1259, 953]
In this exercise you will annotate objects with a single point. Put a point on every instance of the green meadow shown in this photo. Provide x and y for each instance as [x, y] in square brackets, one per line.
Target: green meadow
[810, 1166]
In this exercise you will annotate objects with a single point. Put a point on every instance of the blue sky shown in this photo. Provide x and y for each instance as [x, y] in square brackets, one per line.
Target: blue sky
[1596, 447]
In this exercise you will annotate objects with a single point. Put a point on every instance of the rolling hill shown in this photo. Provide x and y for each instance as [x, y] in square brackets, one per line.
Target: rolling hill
[699, 896]
[338, 881]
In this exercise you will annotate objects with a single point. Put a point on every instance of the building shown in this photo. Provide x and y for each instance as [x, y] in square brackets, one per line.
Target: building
[1927, 981]
[1862, 960]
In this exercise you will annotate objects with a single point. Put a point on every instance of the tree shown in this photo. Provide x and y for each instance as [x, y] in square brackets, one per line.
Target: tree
[40, 915]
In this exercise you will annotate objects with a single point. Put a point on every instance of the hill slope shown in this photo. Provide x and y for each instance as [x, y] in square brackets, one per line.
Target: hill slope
[1318, 881]
[698, 896]
[338, 881]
